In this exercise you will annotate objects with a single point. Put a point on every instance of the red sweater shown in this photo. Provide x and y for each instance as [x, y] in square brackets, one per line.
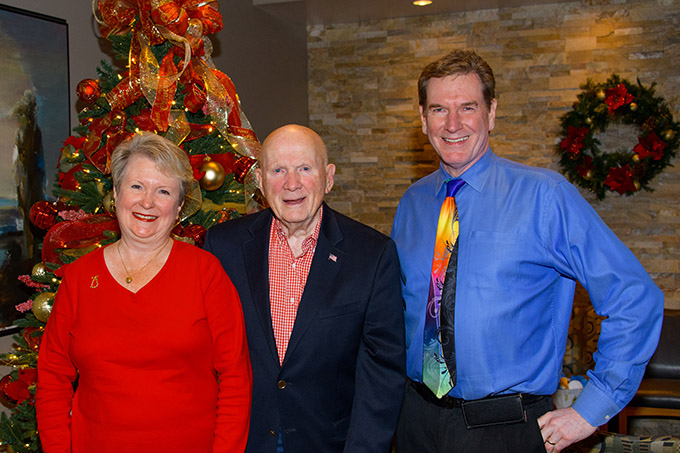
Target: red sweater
[162, 370]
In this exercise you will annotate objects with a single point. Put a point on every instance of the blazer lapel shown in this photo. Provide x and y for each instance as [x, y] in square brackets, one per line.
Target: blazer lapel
[326, 264]
[256, 255]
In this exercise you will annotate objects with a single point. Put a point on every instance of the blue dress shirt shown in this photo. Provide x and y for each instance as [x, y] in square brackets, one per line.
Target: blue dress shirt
[526, 237]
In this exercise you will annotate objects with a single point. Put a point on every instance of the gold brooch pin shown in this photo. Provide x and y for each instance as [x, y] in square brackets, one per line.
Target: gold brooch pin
[95, 281]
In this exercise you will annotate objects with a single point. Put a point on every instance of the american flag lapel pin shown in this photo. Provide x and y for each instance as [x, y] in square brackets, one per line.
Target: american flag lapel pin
[333, 258]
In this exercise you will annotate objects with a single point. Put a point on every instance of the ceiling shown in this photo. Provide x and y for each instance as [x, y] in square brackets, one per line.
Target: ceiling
[342, 11]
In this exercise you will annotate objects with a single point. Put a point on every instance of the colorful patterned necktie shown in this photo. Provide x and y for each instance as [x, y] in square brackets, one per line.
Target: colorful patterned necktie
[439, 370]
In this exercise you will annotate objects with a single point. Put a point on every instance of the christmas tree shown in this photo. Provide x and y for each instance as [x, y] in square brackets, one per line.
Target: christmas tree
[170, 86]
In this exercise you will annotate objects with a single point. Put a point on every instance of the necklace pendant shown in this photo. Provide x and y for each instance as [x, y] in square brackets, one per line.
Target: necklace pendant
[128, 279]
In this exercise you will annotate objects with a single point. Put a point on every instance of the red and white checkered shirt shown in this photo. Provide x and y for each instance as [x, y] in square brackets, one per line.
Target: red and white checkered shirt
[287, 278]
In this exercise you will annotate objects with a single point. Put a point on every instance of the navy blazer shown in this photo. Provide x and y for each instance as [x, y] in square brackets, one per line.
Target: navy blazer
[342, 380]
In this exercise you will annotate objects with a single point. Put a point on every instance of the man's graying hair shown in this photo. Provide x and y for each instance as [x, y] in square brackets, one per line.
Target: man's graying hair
[458, 62]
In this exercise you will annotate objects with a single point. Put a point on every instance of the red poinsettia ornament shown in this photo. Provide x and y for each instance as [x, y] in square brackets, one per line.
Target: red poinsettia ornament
[617, 97]
[574, 141]
[650, 146]
[620, 179]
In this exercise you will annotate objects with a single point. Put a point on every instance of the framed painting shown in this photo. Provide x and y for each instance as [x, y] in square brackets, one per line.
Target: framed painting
[34, 122]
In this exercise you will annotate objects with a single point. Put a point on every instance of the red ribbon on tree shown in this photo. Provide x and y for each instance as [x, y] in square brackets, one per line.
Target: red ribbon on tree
[194, 232]
[242, 166]
[165, 93]
[111, 126]
[125, 93]
[77, 235]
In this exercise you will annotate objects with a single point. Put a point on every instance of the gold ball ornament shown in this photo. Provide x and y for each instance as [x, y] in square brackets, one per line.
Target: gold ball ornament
[636, 158]
[633, 106]
[669, 135]
[38, 270]
[601, 95]
[588, 121]
[637, 185]
[589, 175]
[42, 306]
[109, 203]
[213, 177]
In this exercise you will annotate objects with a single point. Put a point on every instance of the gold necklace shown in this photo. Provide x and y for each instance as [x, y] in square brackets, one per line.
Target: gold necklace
[128, 278]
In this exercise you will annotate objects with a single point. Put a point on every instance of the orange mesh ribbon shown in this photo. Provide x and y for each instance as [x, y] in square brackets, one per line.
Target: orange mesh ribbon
[111, 126]
[165, 92]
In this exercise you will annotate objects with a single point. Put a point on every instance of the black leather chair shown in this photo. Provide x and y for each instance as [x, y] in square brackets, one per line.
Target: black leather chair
[659, 393]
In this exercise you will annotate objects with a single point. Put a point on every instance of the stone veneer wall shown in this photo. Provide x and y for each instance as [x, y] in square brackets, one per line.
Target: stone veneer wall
[363, 102]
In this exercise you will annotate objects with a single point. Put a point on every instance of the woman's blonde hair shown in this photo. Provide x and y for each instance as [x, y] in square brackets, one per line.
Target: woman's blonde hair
[170, 159]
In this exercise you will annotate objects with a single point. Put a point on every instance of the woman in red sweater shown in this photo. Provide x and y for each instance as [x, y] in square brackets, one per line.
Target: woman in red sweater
[150, 328]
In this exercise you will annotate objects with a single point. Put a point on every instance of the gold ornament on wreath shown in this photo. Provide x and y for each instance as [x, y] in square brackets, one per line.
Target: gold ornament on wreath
[625, 171]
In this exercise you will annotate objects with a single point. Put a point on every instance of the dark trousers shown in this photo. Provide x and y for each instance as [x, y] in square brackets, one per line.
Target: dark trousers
[427, 428]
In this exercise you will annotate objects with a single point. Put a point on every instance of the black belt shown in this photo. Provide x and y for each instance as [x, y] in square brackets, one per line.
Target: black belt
[449, 402]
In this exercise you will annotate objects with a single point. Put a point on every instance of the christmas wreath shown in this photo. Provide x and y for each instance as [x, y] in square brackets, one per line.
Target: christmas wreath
[625, 171]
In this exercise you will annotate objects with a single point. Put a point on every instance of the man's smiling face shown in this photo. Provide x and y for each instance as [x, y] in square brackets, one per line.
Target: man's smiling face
[457, 120]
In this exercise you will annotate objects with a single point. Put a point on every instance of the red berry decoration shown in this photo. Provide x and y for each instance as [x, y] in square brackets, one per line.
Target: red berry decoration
[88, 90]
[43, 214]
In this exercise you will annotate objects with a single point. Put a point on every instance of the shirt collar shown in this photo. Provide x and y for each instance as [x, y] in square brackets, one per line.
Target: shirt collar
[475, 176]
[307, 244]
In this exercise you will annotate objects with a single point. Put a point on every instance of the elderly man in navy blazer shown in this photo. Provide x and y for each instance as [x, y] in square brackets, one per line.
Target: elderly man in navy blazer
[322, 303]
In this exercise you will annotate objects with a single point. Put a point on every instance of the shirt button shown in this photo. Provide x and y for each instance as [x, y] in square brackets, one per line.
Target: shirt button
[281, 384]
[293, 265]
[292, 300]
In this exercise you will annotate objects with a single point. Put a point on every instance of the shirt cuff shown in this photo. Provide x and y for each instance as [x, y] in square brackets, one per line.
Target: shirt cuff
[594, 406]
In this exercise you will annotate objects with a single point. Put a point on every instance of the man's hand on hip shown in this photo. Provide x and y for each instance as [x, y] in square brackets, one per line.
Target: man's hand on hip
[562, 427]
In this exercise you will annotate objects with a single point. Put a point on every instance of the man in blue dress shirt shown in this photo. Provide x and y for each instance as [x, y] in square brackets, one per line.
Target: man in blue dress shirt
[526, 237]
